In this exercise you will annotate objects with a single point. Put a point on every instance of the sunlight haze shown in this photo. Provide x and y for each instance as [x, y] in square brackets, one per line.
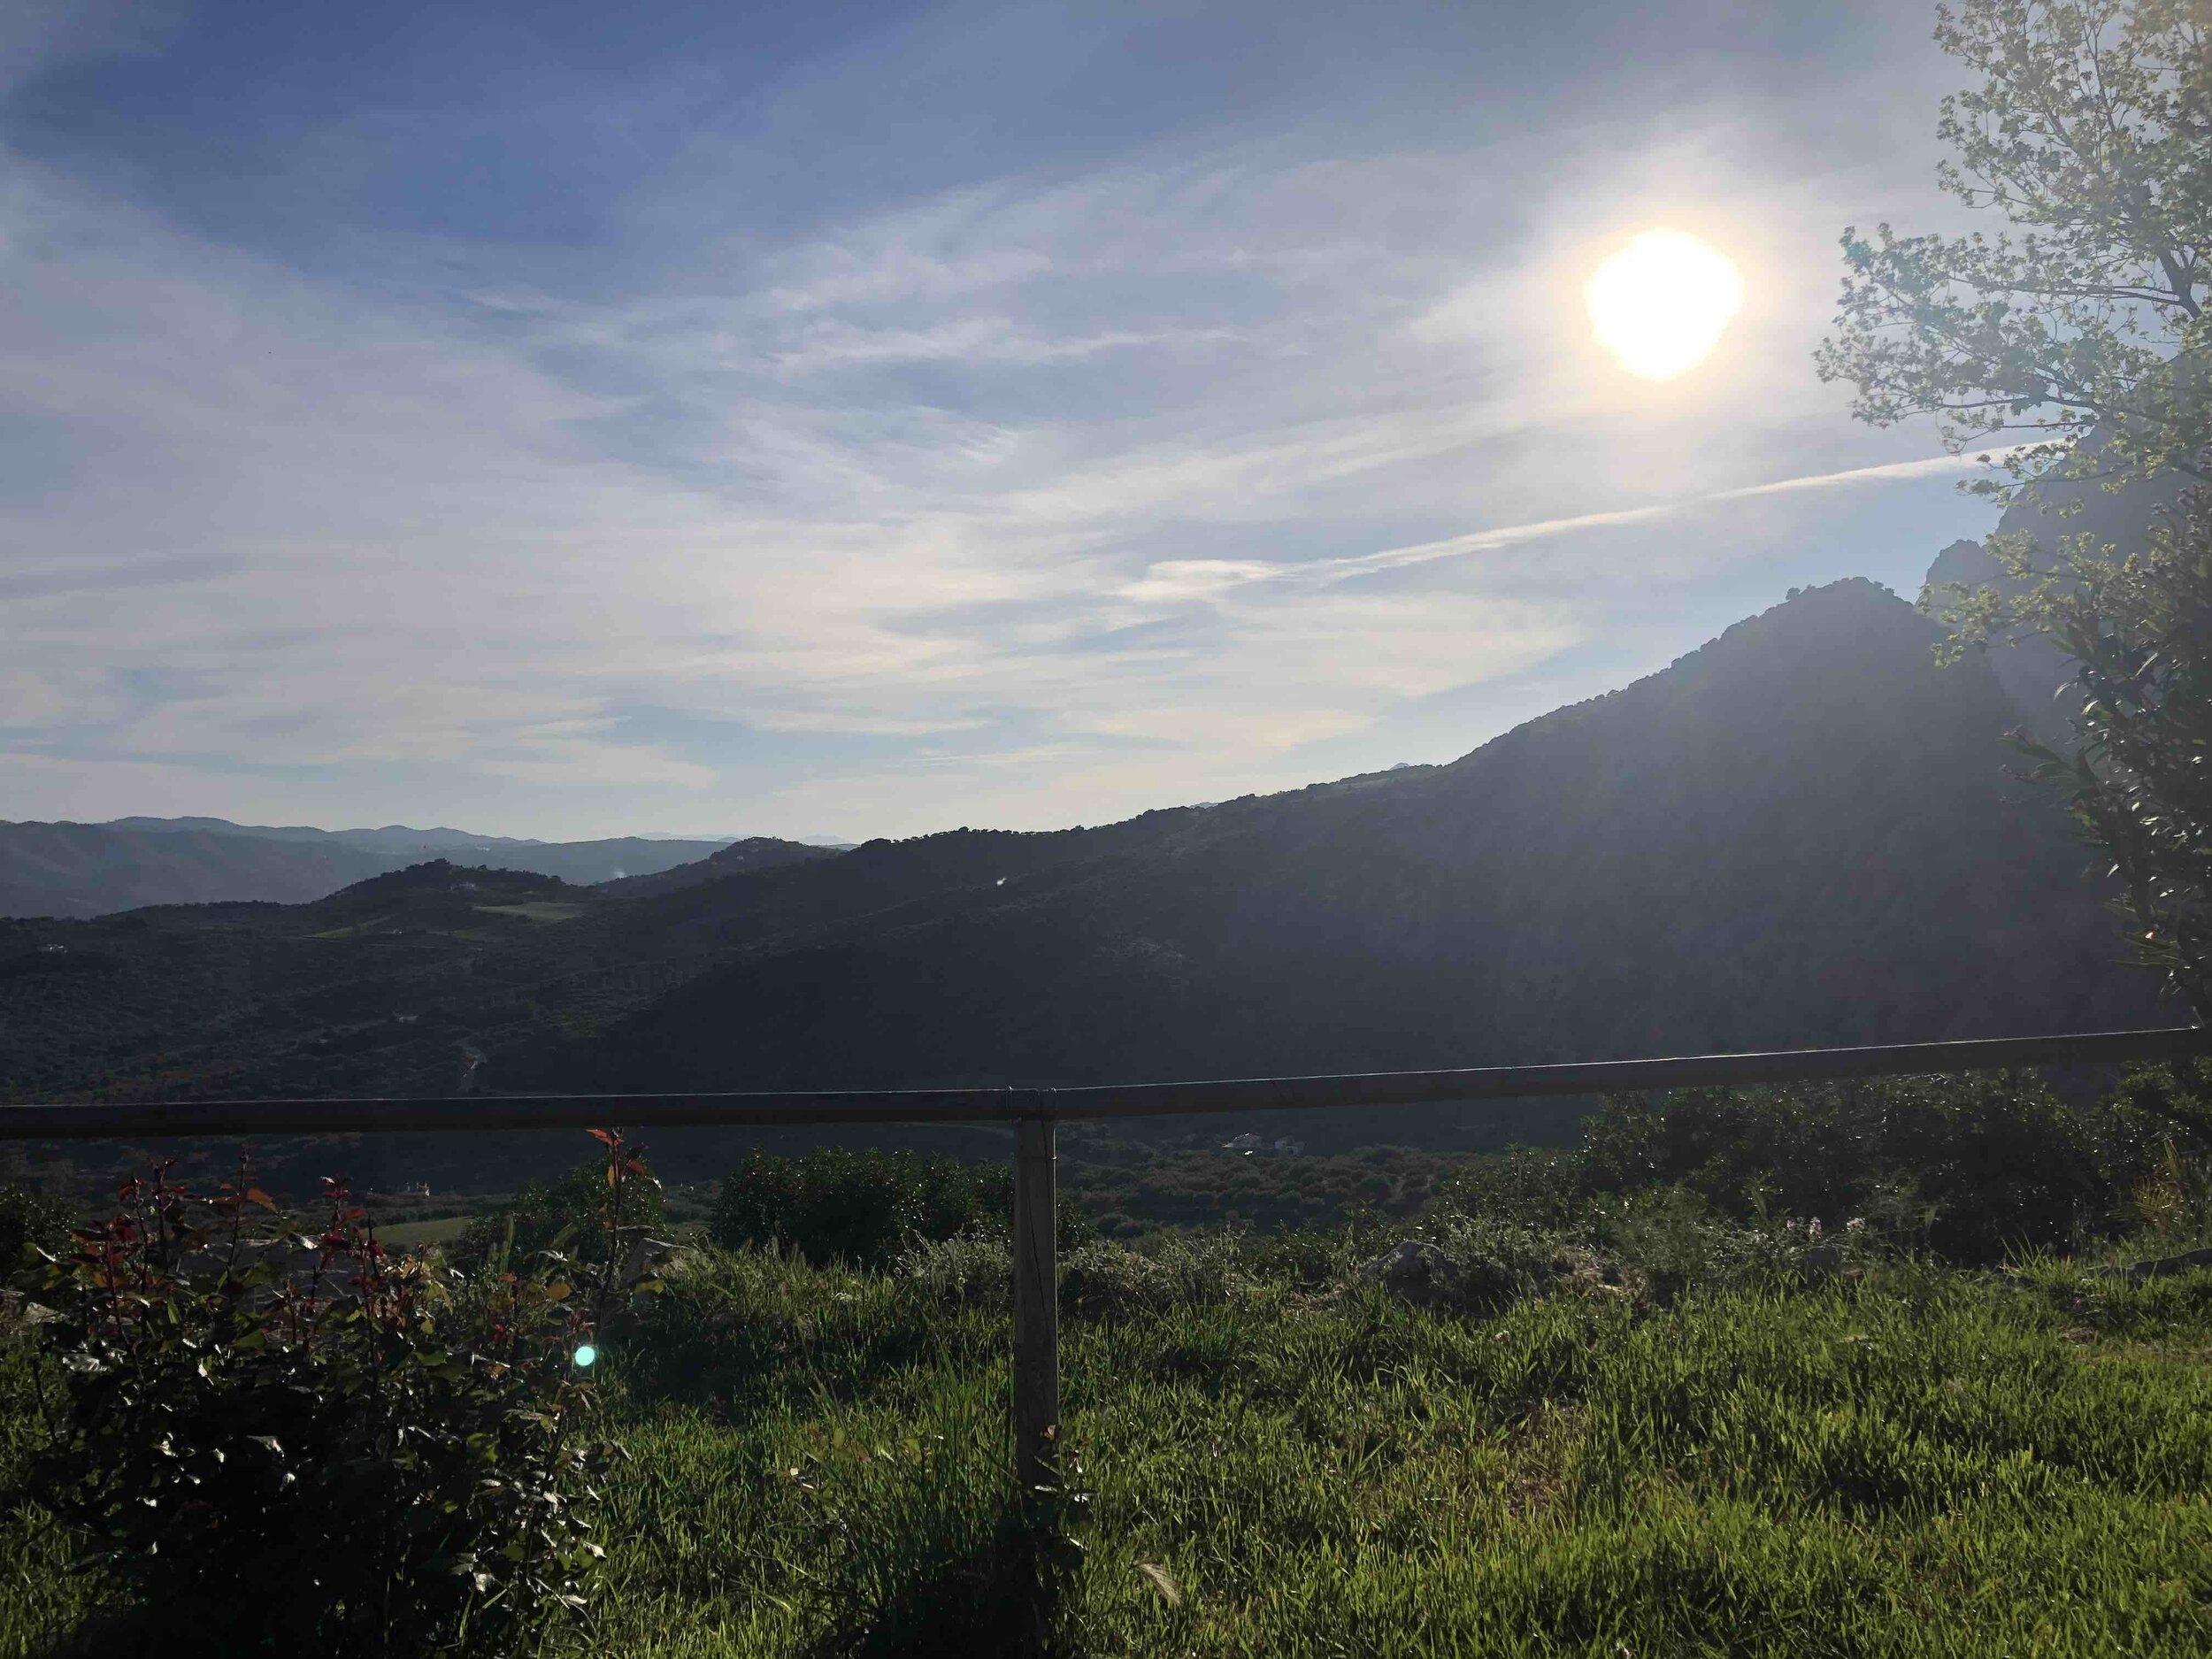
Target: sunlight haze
[566, 422]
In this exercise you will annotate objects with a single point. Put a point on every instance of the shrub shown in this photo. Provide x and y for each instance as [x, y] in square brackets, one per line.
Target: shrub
[1175, 1269]
[570, 1214]
[1999, 1161]
[1531, 1186]
[286, 1440]
[975, 1271]
[1672, 1240]
[1494, 1262]
[862, 1208]
[29, 1217]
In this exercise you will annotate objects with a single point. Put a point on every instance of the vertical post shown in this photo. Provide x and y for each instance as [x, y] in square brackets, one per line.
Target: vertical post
[1036, 1303]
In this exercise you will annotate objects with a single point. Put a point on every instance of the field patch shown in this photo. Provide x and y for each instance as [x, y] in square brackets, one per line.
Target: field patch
[538, 910]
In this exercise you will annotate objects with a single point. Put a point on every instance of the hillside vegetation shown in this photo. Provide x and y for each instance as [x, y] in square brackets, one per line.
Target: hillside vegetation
[84, 869]
[1800, 834]
[1636, 1397]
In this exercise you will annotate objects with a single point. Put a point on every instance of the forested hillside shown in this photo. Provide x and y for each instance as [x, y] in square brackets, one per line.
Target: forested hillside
[1803, 833]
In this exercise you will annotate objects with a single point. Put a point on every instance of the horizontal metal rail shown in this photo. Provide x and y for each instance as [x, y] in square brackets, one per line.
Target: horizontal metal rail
[109, 1121]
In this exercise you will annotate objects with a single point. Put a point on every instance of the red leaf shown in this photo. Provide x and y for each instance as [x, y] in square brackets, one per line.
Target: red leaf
[254, 1195]
[606, 1138]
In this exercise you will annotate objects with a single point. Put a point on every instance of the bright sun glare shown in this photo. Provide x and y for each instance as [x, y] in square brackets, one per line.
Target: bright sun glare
[1661, 303]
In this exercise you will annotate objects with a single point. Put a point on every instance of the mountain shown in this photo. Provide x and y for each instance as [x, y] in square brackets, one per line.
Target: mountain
[94, 869]
[89, 869]
[1800, 834]
[390, 838]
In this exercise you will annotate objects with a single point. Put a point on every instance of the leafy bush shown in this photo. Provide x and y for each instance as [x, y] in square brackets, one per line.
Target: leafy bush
[1671, 1240]
[1493, 1261]
[1999, 1163]
[569, 1214]
[973, 1270]
[862, 1208]
[1535, 1187]
[282, 1438]
[30, 1217]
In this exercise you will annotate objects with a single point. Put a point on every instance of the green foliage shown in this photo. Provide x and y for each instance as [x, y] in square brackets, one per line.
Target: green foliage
[587, 1213]
[1136, 1189]
[1998, 1163]
[2091, 135]
[1177, 1269]
[1279, 1457]
[1913, 1462]
[2084, 325]
[1540, 1187]
[865, 1208]
[2137, 626]
[1974, 1168]
[31, 1218]
[279, 1439]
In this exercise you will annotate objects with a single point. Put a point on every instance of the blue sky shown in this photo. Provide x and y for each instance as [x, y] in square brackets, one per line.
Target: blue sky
[568, 420]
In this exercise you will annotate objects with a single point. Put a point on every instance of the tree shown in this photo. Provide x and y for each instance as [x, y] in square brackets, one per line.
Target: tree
[2079, 332]
[2139, 630]
[2091, 136]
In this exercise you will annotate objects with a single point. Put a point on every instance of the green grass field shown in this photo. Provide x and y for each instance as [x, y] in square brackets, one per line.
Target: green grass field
[409, 1234]
[542, 911]
[1922, 1461]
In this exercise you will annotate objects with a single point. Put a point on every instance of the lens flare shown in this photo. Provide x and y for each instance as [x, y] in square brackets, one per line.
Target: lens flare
[1662, 302]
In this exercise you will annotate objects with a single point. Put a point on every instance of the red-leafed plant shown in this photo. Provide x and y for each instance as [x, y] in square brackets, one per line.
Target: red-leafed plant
[280, 1435]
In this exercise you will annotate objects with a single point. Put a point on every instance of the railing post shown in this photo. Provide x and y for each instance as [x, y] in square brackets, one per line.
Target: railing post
[1036, 1305]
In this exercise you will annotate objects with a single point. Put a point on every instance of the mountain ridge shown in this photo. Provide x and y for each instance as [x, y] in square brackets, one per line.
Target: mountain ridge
[1800, 832]
[82, 870]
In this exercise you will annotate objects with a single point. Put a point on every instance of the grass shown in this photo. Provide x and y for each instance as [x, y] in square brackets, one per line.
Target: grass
[1933, 1463]
[1920, 1461]
[412, 1235]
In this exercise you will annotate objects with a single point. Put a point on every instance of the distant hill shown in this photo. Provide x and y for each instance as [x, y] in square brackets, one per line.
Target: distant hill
[1800, 834]
[89, 870]
[95, 868]
[756, 852]
[389, 838]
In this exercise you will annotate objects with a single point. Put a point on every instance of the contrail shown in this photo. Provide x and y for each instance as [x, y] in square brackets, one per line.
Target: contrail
[1508, 535]
[1190, 579]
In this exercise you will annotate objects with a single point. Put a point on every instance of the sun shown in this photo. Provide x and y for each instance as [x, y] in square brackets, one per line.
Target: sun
[1661, 303]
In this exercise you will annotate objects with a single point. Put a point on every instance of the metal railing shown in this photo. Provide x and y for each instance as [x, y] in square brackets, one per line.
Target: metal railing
[1035, 1112]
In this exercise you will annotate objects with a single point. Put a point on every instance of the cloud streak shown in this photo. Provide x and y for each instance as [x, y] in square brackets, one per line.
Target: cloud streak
[1174, 580]
[1027, 501]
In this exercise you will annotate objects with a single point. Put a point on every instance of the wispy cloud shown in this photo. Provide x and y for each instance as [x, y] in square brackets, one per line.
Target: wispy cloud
[1041, 499]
